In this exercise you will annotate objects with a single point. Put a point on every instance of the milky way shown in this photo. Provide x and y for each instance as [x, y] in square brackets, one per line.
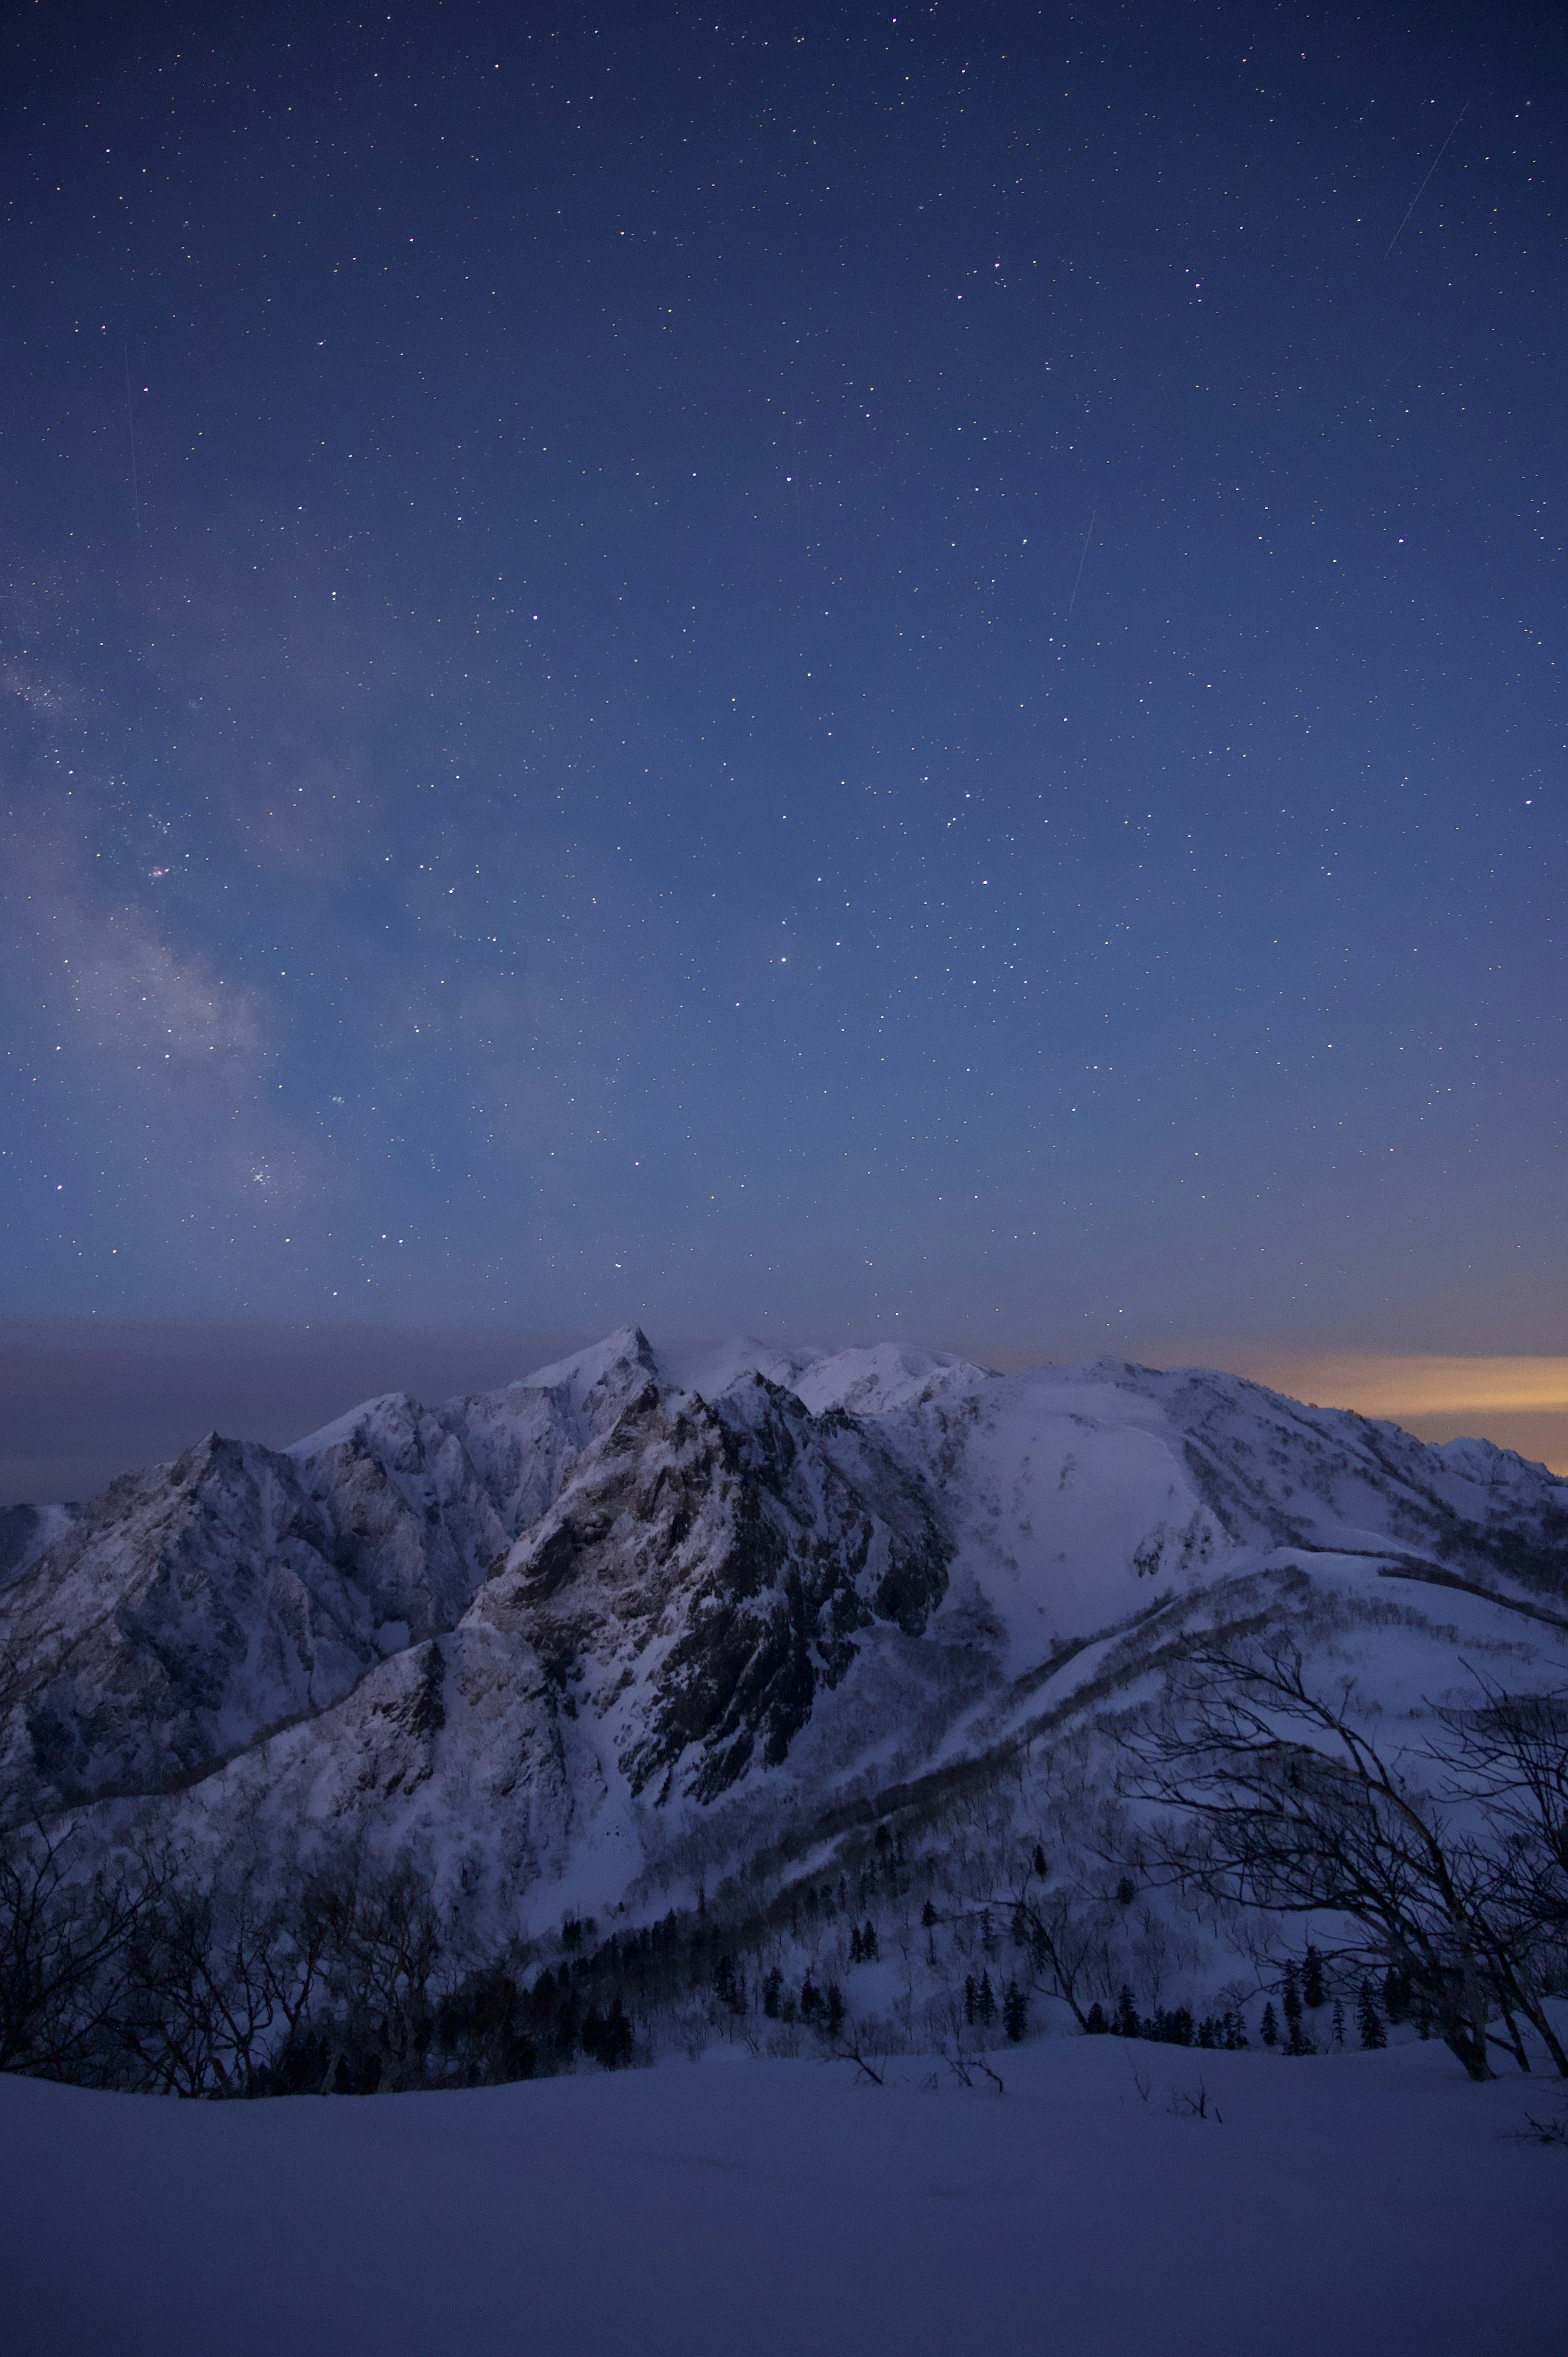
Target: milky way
[862, 673]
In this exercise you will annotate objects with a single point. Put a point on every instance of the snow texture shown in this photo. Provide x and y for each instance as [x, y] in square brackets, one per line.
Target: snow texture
[543, 1637]
[1372, 2205]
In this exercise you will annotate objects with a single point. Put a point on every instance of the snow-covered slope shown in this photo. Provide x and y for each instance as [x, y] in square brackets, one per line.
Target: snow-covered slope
[628, 1611]
[1370, 2205]
[1068, 1489]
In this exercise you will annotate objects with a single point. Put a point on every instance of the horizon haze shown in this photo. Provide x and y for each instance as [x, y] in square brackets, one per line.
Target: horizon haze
[81, 1403]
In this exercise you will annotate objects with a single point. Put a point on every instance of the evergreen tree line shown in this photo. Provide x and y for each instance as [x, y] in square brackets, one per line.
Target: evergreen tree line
[1035, 1877]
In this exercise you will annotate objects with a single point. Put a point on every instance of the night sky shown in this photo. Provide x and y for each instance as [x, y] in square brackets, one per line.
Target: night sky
[834, 672]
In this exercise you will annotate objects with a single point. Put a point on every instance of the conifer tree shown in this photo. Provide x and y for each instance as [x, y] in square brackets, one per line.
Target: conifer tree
[1369, 2019]
[927, 1917]
[1015, 2013]
[616, 2039]
[970, 1996]
[985, 2002]
[1270, 2030]
[1311, 1989]
[728, 1986]
[855, 1952]
[1338, 2030]
[1095, 2024]
[1127, 2023]
[868, 1941]
[1396, 1993]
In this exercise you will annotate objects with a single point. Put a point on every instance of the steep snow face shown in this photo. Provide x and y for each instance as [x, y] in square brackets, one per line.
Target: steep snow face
[713, 1584]
[489, 1464]
[870, 1382]
[1078, 1495]
[880, 1381]
[188, 1610]
[713, 1371]
[193, 1610]
[710, 1568]
[1068, 1498]
[545, 1630]
[409, 1510]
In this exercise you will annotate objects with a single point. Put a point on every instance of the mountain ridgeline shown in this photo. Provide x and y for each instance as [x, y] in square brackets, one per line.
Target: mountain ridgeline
[632, 1636]
[546, 1624]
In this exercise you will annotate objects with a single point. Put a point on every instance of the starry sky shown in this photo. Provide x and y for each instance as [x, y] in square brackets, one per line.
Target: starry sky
[843, 671]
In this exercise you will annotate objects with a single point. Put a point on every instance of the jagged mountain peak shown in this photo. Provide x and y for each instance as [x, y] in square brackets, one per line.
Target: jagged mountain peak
[387, 1414]
[871, 1380]
[713, 1368]
[710, 1566]
[887, 1376]
[544, 1627]
[598, 1379]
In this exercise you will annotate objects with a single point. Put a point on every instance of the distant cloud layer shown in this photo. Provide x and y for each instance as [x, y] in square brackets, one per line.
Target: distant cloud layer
[1520, 1402]
[1428, 1386]
[79, 1403]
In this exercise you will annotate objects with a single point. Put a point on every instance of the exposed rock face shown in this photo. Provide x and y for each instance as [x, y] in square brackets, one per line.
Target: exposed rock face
[545, 1632]
[187, 1611]
[720, 1561]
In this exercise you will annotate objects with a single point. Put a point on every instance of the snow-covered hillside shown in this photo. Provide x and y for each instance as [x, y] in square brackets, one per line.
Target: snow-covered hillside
[1372, 2205]
[562, 1638]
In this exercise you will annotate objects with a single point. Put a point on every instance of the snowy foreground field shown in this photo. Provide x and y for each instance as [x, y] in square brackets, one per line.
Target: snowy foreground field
[1350, 2204]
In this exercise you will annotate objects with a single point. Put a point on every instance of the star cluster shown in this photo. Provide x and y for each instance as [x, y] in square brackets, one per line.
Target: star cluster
[871, 672]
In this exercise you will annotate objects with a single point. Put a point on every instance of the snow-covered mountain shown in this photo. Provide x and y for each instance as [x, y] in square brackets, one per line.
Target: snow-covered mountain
[635, 1617]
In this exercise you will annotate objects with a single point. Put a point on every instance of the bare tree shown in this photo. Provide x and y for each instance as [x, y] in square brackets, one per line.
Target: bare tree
[216, 1992]
[65, 1936]
[1067, 1935]
[1507, 1757]
[380, 1946]
[1285, 1804]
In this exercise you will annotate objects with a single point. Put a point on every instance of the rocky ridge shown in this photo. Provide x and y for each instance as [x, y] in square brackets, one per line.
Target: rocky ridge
[562, 1636]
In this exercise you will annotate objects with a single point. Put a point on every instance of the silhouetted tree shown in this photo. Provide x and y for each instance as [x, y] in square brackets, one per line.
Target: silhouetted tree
[1368, 2020]
[65, 1938]
[1289, 1805]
